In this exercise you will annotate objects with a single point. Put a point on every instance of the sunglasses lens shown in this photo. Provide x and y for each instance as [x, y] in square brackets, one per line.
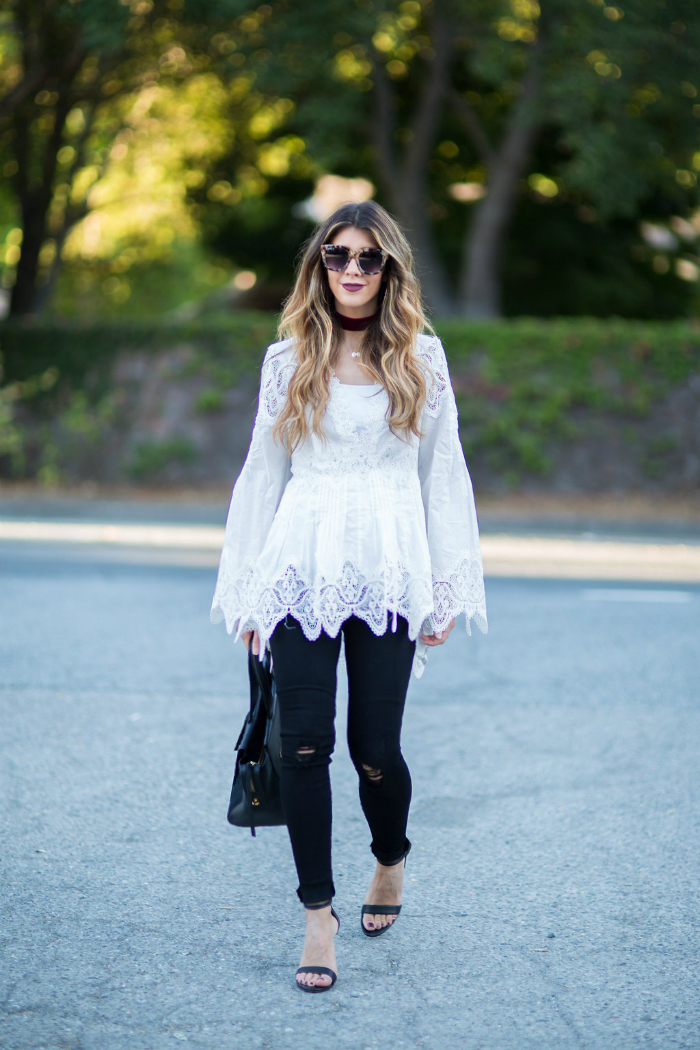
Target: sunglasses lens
[370, 260]
[335, 258]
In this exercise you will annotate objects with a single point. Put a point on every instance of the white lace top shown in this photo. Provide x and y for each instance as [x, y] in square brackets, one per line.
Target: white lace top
[364, 523]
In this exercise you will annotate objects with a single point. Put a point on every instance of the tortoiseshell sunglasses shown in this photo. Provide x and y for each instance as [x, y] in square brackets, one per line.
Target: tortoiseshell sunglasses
[370, 260]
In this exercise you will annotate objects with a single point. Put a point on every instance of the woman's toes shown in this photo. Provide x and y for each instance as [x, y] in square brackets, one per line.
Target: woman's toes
[378, 922]
[314, 980]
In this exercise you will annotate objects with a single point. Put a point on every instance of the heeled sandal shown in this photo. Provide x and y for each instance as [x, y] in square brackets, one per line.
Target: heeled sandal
[320, 971]
[383, 909]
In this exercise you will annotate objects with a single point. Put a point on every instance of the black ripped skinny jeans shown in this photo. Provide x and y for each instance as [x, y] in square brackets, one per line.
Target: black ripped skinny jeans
[378, 673]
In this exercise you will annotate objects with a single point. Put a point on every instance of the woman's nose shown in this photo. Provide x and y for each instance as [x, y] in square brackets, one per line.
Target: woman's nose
[353, 269]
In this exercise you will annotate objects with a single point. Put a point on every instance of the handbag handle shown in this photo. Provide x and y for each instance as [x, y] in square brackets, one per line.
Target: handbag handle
[261, 672]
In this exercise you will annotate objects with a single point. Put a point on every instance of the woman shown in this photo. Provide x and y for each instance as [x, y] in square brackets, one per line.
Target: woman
[353, 516]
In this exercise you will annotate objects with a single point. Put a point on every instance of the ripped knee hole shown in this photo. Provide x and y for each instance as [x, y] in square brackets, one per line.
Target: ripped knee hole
[374, 775]
[305, 753]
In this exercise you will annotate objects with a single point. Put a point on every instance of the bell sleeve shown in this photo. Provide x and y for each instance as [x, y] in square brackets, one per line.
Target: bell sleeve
[448, 500]
[254, 502]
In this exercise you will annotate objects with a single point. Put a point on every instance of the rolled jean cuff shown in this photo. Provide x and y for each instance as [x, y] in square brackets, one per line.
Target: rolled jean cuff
[317, 894]
[389, 859]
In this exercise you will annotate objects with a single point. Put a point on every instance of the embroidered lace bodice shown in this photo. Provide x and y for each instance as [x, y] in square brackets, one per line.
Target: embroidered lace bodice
[362, 523]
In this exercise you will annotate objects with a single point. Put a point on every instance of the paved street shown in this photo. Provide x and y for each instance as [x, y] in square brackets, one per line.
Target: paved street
[552, 893]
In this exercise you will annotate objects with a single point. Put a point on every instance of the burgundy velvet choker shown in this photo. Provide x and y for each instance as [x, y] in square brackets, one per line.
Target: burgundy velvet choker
[355, 324]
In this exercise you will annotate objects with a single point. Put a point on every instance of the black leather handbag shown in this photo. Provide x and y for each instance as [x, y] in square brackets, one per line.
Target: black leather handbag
[255, 795]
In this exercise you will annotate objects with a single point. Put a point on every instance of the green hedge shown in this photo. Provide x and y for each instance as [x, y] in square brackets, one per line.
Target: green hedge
[516, 349]
[519, 383]
[79, 351]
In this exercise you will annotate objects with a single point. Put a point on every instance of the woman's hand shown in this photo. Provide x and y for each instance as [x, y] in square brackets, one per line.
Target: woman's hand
[439, 638]
[247, 636]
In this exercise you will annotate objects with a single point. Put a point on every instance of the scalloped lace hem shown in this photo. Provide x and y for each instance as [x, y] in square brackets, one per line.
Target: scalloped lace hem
[245, 603]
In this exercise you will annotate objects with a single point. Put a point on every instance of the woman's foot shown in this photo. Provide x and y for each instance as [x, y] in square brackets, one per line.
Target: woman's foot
[319, 947]
[385, 889]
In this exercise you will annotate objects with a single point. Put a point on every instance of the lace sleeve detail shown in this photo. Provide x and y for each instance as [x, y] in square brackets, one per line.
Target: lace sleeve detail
[256, 495]
[277, 370]
[437, 377]
[460, 589]
[448, 500]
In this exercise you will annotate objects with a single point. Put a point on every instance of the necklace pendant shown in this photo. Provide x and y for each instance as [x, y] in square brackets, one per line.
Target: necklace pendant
[355, 353]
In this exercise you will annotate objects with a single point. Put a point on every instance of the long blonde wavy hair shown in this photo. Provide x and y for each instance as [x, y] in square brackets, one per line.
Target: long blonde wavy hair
[387, 351]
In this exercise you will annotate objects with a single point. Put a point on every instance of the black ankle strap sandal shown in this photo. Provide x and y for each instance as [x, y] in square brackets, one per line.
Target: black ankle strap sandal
[383, 909]
[324, 971]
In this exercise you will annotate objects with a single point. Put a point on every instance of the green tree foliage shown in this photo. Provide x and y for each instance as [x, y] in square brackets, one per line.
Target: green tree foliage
[427, 95]
[520, 142]
[98, 99]
[57, 66]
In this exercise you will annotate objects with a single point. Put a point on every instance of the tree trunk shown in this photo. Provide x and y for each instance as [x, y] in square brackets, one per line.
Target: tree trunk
[411, 211]
[35, 202]
[24, 293]
[44, 292]
[480, 280]
[404, 175]
[73, 212]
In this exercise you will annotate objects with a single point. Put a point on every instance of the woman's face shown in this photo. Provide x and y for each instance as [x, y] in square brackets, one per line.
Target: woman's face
[356, 294]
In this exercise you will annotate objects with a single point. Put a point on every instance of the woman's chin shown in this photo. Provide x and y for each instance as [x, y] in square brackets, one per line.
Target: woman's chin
[347, 303]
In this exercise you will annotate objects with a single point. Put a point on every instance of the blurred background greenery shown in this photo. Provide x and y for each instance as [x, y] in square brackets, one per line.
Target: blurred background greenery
[543, 156]
[163, 161]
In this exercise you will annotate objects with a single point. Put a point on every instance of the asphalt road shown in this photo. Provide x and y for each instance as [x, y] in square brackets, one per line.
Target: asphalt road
[552, 894]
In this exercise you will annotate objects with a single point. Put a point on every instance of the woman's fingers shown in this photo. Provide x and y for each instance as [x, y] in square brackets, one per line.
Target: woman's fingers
[253, 636]
[439, 637]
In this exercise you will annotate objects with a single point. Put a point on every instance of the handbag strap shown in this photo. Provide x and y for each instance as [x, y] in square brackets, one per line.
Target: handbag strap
[261, 672]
